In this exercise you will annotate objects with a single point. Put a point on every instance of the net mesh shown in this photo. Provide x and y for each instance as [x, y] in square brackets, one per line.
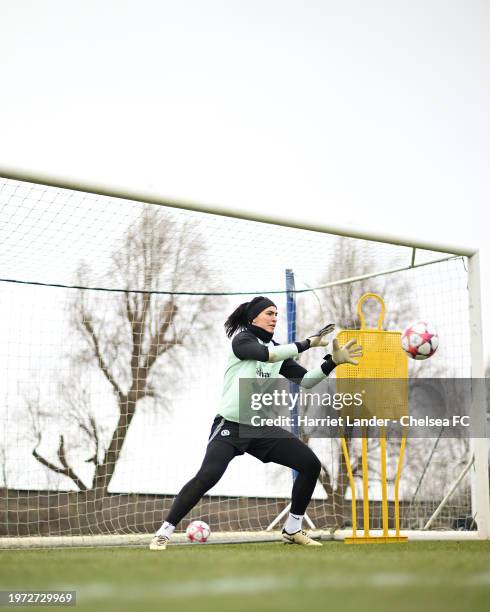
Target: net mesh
[113, 355]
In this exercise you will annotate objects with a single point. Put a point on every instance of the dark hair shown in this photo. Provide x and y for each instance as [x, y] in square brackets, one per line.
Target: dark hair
[246, 312]
[237, 320]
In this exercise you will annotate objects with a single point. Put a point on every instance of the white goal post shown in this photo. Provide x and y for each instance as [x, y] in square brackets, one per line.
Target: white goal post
[103, 419]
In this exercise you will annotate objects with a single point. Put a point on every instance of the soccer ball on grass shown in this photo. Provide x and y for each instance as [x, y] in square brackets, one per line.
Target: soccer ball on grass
[198, 532]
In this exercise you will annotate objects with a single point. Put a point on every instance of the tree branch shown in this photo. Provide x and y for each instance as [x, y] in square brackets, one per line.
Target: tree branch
[66, 470]
[93, 434]
[103, 366]
[158, 345]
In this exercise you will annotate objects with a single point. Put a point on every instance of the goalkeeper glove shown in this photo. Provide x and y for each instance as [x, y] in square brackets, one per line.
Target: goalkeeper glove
[320, 338]
[346, 353]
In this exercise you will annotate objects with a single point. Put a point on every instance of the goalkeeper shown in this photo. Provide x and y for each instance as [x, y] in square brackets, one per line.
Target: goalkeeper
[255, 354]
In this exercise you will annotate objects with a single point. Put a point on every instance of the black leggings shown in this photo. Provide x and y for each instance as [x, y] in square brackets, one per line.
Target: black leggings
[290, 452]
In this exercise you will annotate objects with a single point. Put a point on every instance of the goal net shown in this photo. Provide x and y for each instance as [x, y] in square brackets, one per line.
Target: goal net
[113, 352]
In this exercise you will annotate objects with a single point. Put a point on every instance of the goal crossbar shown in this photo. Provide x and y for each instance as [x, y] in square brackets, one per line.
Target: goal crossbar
[151, 197]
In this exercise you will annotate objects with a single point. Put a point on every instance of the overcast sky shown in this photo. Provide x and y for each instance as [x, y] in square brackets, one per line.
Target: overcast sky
[373, 113]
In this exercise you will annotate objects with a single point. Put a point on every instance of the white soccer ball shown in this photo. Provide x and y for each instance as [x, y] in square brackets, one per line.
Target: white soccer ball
[420, 340]
[198, 531]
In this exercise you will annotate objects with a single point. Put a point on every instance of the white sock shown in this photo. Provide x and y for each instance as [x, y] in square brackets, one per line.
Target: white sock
[166, 529]
[293, 524]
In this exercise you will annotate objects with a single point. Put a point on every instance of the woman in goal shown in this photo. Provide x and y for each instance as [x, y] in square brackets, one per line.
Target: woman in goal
[255, 354]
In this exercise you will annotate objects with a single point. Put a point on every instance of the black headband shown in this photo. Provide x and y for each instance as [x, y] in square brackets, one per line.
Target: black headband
[257, 305]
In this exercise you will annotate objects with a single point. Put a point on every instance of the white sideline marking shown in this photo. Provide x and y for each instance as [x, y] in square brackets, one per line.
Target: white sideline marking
[259, 584]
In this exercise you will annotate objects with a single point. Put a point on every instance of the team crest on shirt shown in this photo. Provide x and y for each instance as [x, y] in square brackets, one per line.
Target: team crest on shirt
[225, 432]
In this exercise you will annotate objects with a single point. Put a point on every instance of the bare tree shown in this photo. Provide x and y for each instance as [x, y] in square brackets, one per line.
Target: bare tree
[132, 341]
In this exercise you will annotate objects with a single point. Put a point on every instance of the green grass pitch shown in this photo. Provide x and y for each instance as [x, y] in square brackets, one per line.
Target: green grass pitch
[436, 576]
